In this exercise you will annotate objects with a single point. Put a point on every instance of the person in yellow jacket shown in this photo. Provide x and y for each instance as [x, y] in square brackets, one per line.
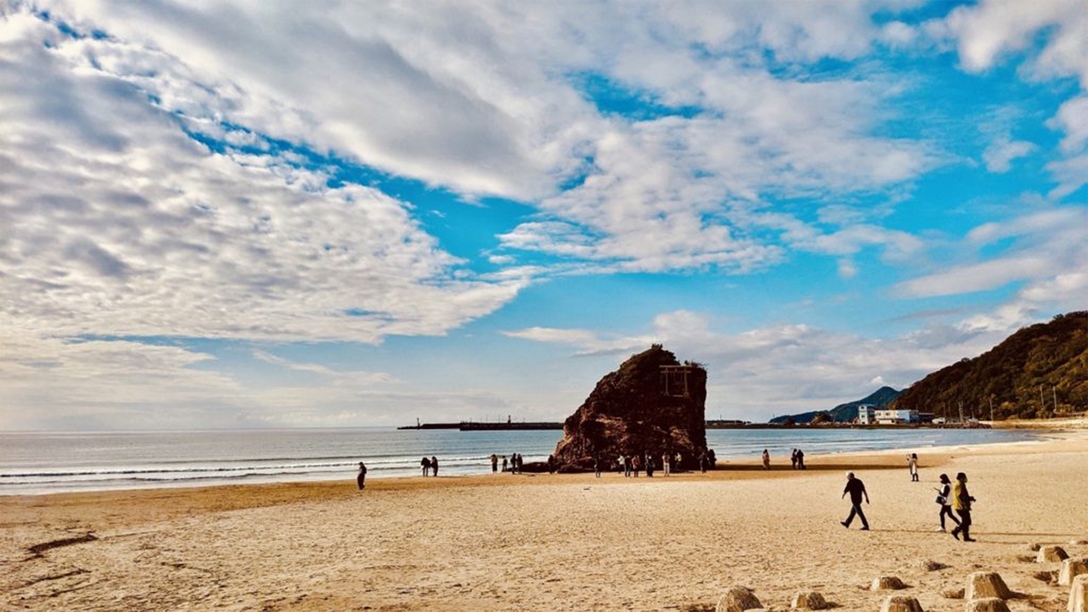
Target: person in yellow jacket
[961, 503]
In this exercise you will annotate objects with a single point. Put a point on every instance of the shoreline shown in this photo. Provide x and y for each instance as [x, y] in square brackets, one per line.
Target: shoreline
[550, 542]
[254, 495]
[1038, 432]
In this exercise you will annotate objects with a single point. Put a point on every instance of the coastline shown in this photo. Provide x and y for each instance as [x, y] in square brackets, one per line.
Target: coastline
[547, 542]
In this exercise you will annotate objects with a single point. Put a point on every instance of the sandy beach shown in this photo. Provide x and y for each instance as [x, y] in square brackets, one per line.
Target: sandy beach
[553, 542]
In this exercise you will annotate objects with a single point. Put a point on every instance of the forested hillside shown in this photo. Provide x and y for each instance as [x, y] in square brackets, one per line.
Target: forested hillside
[1037, 372]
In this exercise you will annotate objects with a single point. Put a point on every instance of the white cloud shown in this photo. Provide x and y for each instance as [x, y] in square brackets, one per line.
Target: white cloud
[783, 369]
[116, 223]
[990, 31]
[987, 31]
[480, 99]
[1072, 118]
[1047, 245]
[1000, 154]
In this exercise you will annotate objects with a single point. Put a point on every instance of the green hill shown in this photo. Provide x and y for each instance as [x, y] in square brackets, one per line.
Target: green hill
[1039, 371]
[844, 413]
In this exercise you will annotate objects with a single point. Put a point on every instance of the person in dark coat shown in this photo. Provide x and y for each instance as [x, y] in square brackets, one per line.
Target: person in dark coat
[425, 463]
[361, 478]
[434, 465]
[961, 503]
[856, 488]
[944, 498]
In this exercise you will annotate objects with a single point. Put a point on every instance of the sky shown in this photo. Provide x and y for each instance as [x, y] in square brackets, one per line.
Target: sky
[359, 213]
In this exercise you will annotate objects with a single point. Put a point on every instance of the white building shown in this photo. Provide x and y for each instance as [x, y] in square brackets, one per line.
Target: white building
[865, 414]
[895, 417]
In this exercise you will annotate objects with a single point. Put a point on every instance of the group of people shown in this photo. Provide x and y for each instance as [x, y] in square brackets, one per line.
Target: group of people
[513, 464]
[797, 459]
[429, 465]
[631, 465]
[950, 497]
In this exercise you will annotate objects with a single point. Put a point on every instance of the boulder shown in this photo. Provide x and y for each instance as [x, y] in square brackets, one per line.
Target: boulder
[738, 599]
[1078, 594]
[1047, 577]
[810, 600]
[986, 604]
[1071, 568]
[651, 404]
[887, 583]
[952, 593]
[901, 603]
[1051, 554]
[931, 566]
[982, 585]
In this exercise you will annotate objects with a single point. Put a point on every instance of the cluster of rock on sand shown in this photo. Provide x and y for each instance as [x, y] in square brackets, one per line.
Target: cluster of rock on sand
[984, 592]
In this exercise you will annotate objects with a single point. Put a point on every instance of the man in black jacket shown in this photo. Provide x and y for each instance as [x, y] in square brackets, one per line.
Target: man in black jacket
[856, 488]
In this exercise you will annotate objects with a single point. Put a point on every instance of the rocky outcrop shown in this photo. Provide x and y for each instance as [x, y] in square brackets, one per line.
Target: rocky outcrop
[1071, 568]
[738, 599]
[808, 600]
[987, 604]
[901, 603]
[987, 584]
[653, 404]
[1051, 554]
[887, 583]
[1078, 595]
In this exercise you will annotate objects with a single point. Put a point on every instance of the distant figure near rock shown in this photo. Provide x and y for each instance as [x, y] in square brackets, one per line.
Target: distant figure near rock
[360, 480]
[652, 404]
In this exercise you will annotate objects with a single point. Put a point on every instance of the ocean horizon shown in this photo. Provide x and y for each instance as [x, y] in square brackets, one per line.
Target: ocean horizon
[36, 463]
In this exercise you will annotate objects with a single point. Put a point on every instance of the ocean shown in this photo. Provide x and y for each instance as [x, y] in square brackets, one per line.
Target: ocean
[41, 463]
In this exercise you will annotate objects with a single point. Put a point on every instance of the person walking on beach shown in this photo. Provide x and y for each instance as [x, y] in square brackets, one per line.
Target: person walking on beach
[627, 466]
[961, 503]
[494, 463]
[766, 460]
[597, 465]
[650, 465]
[793, 459]
[504, 464]
[944, 499]
[703, 461]
[912, 465]
[636, 465]
[361, 478]
[434, 465]
[425, 463]
[666, 463]
[800, 459]
[856, 488]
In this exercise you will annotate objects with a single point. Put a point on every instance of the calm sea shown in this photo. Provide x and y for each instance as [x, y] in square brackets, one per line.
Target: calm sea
[37, 463]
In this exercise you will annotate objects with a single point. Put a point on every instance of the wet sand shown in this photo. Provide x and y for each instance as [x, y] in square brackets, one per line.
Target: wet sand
[552, 542]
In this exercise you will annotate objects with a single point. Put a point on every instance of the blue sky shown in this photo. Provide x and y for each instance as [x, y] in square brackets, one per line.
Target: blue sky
[274, 214]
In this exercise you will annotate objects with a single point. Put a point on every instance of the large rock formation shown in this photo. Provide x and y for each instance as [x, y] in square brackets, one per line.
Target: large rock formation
[652, 404]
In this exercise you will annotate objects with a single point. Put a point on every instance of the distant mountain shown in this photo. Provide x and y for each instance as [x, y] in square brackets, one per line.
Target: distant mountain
[1038, 371]
[844, 413]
